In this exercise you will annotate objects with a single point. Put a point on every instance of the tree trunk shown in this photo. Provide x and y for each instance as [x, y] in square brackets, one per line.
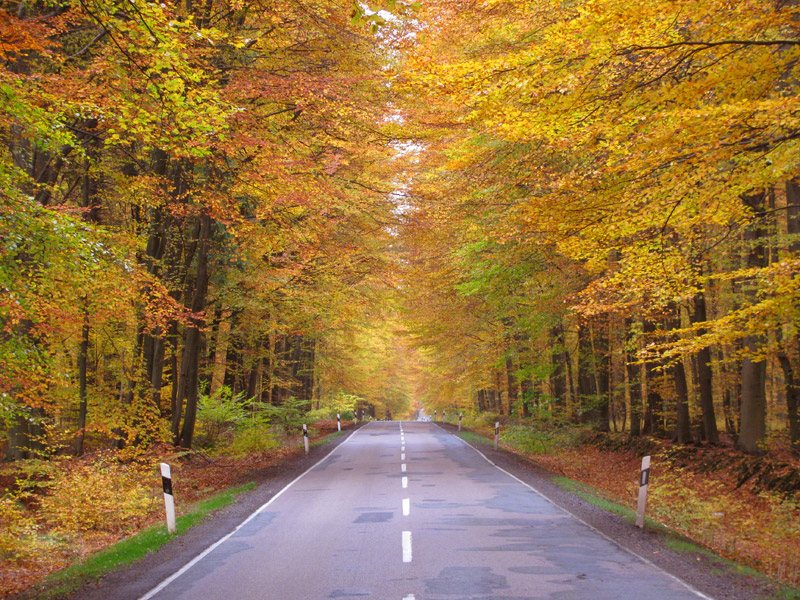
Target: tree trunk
[83, 355]
[192, 346]
[587, 390]
[558, 382]
[792, 389]
[705, 375]
[511, 381]
[753, 428]
[683, 432]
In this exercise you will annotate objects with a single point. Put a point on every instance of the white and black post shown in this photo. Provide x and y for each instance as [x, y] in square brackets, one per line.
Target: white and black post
[305, 436]
[643, 481]
[496, 433]
[434, 415]
[169, 499]
[444, 416]
[459, 420]
[338, 422]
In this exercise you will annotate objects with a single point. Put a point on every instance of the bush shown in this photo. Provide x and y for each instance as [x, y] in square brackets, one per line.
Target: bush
[100, 497]
[19, 538]
[252, 439]
[486, 419]
[532, 440]
[290, 415]
[321, 414]
[219, 413]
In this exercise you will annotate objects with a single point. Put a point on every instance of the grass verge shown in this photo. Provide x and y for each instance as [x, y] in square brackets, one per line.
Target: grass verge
[328, 438]
[474, 438]
[130, 549]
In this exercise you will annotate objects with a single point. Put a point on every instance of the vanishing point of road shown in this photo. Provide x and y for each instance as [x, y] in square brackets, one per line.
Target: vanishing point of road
[408, 511]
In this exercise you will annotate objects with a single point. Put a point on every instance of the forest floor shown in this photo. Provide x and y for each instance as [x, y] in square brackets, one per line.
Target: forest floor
[745, 510]
[36, 545]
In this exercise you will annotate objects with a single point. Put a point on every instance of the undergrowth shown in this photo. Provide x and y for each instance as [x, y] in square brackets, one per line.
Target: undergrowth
[133, 548]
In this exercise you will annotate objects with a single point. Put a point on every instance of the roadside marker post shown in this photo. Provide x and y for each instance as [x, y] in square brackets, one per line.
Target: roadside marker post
[434, 416]
[338, 422]
[169, 499]
[459, 420]
[444, 416]
[643, 481]
[305, 436]
[496, 433]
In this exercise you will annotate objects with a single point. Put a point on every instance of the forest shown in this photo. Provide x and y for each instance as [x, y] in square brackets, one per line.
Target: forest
[222, 219]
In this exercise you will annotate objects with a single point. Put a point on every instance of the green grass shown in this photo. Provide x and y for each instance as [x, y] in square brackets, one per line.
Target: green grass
[133, 548]
[328, 438]
[684, 546]
[786, 593]
[473, 438]
[591, 496]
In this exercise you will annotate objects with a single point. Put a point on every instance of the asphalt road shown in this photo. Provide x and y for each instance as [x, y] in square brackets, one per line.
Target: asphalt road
[407, 511]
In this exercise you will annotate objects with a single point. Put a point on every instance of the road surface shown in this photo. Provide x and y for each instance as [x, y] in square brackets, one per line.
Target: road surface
[407, 511]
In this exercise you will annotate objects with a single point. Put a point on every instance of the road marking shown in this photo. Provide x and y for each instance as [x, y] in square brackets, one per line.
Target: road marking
[403, 467]
[698, 593]
[208, 550]
[406, 546]
[405, 482]
[406, 507]
[409, 597]
[402, 448]
[402, 457]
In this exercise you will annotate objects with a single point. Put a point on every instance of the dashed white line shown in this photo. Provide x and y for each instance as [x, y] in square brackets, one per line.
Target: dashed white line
[403, 467]
[406, 507]
[409, 597]
[402, 448]
[405, 482]
[402, 457]
[406, 546]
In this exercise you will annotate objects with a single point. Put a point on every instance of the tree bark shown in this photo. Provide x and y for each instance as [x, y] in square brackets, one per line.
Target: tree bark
[587, 390]
[705, 375]
[511, 381]
[753, 428]
[193, 340]
[83, 355]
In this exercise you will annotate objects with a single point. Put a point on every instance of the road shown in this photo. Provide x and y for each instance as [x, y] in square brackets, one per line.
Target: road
[408, 511]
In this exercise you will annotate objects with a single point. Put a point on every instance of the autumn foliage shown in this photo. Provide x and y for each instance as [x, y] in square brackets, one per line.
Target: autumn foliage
[219, 219]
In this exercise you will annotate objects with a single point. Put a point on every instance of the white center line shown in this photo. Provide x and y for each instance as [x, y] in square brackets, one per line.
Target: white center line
[402, 457]
[405, 482]
[406, 546]
[403, 467]
[409, 597]
[402, 448]
[406, 507]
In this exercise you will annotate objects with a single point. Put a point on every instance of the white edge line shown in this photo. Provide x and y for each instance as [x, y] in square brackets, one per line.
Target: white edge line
[252, 515]
[695, 591]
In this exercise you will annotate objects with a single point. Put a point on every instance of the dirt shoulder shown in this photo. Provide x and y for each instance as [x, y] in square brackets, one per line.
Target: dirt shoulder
[132, 582]
[710, 575]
